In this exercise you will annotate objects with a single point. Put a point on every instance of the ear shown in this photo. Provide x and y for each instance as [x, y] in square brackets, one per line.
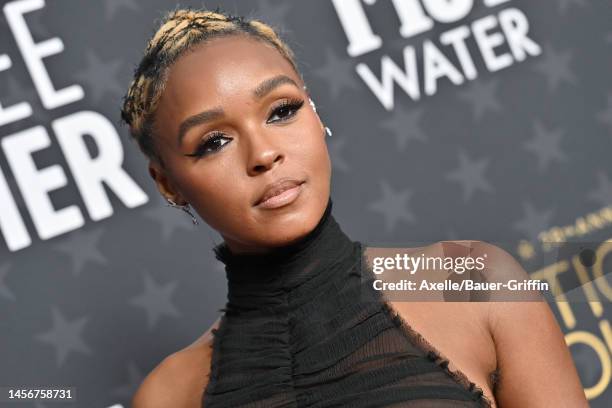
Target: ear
[164, 183]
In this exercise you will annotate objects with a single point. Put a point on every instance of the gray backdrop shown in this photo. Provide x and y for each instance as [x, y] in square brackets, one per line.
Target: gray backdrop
[514, 151]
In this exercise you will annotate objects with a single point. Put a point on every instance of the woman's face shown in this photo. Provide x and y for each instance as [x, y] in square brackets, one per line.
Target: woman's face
[258, 137]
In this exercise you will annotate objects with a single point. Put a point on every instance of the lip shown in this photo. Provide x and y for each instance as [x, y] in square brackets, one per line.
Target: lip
[279, 193]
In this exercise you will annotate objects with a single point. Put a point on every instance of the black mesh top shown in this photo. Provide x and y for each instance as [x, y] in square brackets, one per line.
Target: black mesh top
[303, 327]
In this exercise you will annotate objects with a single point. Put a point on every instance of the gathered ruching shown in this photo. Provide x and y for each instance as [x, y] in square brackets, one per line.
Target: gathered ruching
[303, 327]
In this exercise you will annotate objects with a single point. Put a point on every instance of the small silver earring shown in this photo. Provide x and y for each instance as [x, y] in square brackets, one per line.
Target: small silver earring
[184, 208]
[314, 108]
[328, 130]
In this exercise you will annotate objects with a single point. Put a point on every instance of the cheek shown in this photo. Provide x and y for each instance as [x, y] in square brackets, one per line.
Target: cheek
[311, 139]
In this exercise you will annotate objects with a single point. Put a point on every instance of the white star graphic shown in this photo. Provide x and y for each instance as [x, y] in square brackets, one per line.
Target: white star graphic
[555, 67]
[481, 94]
[155, 300]
[101, 77]
[470, 175]
[393, 206]
[405, 124]
[546, 145]
[82, 246]
[65, 336]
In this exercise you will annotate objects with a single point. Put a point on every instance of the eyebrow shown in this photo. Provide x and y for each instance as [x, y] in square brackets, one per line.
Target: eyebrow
[264, 88]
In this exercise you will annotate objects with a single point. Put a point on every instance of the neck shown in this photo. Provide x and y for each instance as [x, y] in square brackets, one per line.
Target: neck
[261, 279]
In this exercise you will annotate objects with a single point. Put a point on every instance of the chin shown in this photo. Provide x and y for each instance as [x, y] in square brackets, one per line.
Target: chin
[291, 230]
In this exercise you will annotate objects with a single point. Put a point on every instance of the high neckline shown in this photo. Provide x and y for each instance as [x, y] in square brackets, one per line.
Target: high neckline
[303, 326]
[261, 279]
[279, 255]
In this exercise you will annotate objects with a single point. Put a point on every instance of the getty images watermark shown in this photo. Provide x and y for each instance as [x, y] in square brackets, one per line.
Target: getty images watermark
[451, 271]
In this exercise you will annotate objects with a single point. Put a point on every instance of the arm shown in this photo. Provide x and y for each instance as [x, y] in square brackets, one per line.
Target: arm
[535, 363]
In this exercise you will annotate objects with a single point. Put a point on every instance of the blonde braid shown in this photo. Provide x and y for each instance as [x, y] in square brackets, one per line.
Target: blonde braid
[179, 31]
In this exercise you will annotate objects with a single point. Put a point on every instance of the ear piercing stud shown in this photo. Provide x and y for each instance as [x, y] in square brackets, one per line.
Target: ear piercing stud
[314, 108]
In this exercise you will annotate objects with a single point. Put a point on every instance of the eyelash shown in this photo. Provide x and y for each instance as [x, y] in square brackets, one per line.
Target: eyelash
[293, 104]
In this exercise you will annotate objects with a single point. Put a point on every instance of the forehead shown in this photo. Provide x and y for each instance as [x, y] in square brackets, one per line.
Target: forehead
[222, 68]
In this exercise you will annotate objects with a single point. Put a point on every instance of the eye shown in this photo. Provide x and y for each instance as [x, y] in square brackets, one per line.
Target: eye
[286, 109]
[210, 144]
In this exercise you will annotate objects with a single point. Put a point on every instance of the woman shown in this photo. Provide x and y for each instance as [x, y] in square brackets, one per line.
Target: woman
[221, 111]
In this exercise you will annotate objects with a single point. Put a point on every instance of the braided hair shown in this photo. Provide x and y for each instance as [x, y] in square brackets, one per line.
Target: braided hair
[179, 31]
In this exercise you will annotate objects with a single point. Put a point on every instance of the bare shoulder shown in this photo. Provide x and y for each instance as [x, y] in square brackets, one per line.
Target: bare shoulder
[459, 330]
[180, 378]
[528, 343]
[530, 346]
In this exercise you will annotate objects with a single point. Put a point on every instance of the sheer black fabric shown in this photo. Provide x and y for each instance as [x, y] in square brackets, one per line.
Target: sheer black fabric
[303, 327]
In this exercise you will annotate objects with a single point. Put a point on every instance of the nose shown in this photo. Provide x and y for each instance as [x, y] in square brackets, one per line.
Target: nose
[263, 154]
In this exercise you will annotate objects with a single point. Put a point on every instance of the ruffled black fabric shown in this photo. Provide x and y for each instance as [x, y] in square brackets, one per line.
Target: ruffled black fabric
[303, 327]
